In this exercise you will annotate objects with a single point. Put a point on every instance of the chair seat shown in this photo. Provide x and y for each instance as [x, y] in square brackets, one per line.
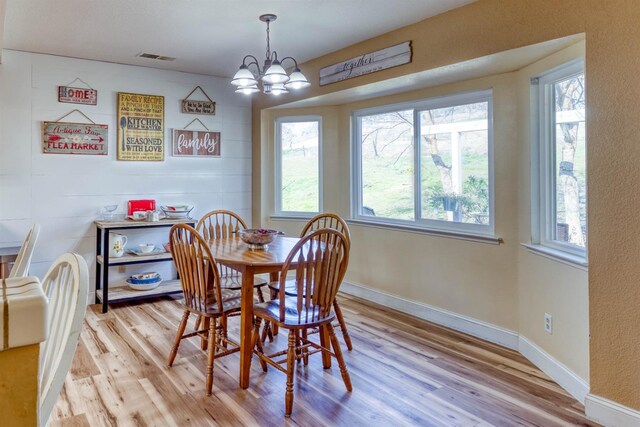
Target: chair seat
[305, 318]
[235, 282]
[290, 287]
[231, 301]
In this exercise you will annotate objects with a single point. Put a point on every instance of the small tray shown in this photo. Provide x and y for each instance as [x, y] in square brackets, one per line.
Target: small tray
[155, 251]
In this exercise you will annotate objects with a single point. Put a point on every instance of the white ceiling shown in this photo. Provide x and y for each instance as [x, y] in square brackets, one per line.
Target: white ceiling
[206, 36]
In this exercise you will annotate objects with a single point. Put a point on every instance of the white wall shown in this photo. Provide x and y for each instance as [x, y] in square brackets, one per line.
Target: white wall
[64, 193]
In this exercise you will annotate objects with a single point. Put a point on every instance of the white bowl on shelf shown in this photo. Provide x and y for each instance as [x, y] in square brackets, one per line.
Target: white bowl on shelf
[146, 248]
[143, 286]
[176, 211]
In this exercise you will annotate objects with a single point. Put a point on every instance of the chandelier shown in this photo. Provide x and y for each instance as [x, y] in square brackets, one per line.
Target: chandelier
[275, 80]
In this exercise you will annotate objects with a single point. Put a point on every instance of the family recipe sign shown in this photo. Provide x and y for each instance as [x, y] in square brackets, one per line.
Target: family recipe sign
[140, 127]
[194, 143]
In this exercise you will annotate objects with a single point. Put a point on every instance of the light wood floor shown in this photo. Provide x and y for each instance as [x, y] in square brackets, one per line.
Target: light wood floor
[404, 372]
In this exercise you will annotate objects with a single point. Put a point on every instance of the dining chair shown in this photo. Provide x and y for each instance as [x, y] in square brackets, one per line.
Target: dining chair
[66, 286]
[319, 261]
[203, 296]
[220, 224]
[23, 260]
[320, 221]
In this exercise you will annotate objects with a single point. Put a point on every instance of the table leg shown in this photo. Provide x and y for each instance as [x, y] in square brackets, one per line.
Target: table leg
[326, 343]
[246, 327]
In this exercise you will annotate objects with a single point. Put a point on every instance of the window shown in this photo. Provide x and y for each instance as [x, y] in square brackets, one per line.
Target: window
[560, 202]
[298, 165]
[426, 164]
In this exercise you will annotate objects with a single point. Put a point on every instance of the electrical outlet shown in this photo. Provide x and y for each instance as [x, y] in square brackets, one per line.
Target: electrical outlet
[548, 323]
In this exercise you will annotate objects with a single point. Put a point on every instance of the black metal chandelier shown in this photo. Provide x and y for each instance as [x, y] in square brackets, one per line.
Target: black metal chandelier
[273, 77]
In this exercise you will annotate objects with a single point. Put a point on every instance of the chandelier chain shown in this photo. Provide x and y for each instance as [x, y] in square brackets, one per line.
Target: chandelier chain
[268, 43]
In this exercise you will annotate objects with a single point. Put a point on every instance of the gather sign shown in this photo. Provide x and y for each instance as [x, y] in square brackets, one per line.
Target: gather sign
[195, 143]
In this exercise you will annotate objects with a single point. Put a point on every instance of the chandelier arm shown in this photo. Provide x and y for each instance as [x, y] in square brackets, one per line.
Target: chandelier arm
[291, 58]
[253, 62]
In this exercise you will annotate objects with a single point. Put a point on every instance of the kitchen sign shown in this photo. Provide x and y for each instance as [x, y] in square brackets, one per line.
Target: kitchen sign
[74, 138]
[366, 64]
[195, 143]
[77, 95]
[140, 127]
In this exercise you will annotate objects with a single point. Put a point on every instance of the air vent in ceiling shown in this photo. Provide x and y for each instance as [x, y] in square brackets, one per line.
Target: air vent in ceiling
[153, 56]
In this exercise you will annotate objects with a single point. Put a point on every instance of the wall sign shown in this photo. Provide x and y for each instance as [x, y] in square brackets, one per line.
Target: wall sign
[195, 143]
[140, 127]
[74, 138]
[198, 107]
[367, 63]
[77, 95]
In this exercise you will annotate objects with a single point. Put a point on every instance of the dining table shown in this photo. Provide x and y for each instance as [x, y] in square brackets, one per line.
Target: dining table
[234, 253]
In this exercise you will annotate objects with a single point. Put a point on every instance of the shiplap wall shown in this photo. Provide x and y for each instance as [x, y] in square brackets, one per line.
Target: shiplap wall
[64, 193]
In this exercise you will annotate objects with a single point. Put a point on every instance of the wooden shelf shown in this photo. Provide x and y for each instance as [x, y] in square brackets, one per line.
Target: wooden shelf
[124, 292]
[129, 223]
[132, 259]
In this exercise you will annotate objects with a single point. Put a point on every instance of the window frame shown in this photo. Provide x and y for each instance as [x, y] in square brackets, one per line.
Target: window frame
[278, 166]
[476, 96]
[543, 180]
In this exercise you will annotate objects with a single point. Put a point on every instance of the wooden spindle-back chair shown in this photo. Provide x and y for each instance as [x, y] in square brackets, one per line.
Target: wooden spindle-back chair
[66, 286]
[319, 262]
[23, 260]
[220, 224]
[318, 222]
[203, 296]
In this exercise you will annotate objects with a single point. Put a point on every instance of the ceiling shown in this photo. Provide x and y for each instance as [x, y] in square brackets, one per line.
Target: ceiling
[205, 36]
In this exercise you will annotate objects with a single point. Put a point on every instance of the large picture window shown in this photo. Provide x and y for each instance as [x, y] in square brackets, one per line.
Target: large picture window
[427, 164]
[298, 165]
[562, 193]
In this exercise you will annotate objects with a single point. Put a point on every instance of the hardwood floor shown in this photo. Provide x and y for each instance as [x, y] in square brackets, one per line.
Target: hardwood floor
[405, 371]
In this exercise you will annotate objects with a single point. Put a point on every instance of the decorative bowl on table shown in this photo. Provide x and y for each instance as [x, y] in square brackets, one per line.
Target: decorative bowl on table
[176, 211]
[144, 281]
[258, 238]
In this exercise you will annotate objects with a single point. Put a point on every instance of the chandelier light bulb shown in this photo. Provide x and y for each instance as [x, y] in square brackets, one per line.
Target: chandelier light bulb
[275, 74]
[297, 80]
[244, 77]
[248, 90]
[278, 89]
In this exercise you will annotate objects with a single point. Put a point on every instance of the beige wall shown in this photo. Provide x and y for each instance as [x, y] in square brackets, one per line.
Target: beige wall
[545, 285]
[612, 64]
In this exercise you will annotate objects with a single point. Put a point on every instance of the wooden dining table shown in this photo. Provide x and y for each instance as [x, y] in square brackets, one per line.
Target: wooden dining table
[233, 252]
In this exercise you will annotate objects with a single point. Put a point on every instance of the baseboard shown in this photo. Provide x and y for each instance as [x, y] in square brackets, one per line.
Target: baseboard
[562, 375]
[565, 377]
[468, 325]
[610, 413]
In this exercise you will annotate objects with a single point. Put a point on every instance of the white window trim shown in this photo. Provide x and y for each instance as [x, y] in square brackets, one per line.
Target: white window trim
[485, 95]
[278, 167]
[542, 166]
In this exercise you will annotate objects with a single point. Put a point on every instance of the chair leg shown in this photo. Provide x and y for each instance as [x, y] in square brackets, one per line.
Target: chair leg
[305, 351]
[206, 323]
[288, 400]
[198, 322]
[343, 325]
[181, 328]
[223, 334]
[257, 343]
[325, 343]
[260, 295]
[273, 329]
[266, 332]
[338, 352]
[211, 356]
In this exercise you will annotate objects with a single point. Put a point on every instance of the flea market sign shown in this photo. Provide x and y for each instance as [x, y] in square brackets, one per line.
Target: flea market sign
[366, 64]
[74, 138]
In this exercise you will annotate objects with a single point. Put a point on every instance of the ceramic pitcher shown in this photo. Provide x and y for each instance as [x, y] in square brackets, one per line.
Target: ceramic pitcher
[117, 242]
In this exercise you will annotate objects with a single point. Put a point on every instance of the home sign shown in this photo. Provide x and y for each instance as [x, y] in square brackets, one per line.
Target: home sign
[77, 95]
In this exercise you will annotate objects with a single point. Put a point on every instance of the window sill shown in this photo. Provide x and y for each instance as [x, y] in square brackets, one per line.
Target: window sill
[575, 261]
[293, 217]
[472, 237]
